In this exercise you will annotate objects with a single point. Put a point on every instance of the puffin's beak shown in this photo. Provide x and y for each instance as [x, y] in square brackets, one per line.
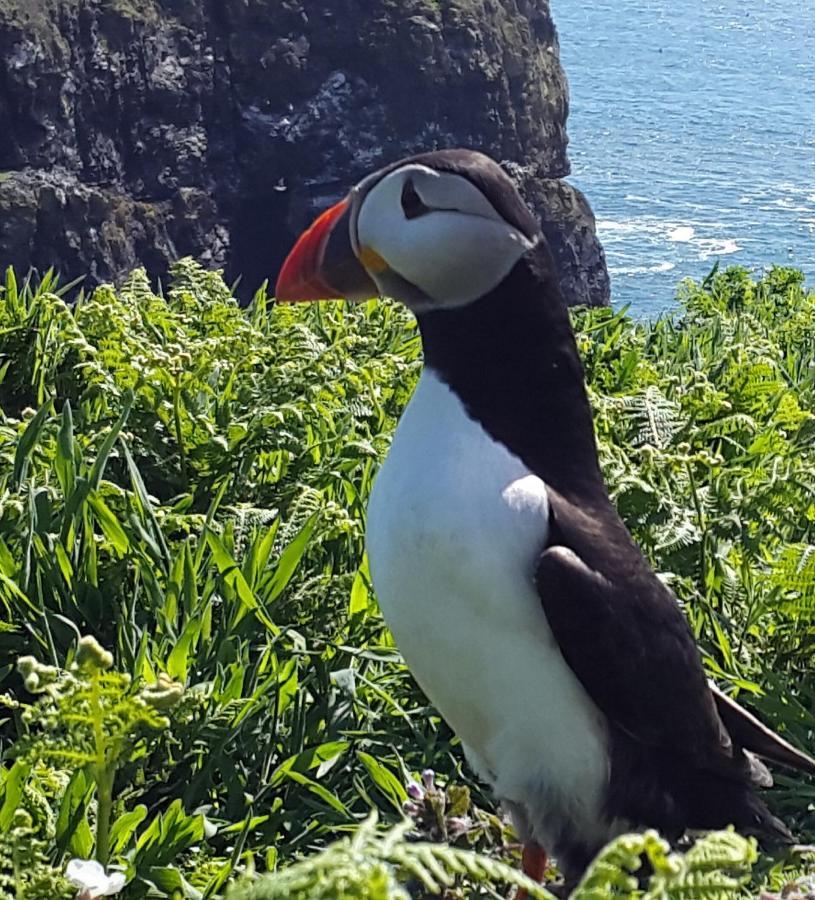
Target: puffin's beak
[323, 265]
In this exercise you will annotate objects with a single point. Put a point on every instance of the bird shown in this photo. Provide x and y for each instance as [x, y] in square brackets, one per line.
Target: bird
[515, 592]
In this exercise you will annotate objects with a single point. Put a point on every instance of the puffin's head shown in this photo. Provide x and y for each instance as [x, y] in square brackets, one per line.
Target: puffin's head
[434, 231]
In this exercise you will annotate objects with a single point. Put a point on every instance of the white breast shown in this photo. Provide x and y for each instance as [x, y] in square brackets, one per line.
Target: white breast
[455, 524]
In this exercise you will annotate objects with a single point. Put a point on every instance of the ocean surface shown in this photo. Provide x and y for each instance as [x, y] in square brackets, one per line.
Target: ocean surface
[692, 132]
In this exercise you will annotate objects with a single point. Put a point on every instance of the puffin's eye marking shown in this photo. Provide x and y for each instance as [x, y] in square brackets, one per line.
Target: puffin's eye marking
[412, 205]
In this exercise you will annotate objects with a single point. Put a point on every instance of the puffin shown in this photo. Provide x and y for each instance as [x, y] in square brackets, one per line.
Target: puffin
[513, 589]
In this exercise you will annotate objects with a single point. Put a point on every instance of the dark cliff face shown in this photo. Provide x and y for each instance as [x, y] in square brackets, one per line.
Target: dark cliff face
[135, 132]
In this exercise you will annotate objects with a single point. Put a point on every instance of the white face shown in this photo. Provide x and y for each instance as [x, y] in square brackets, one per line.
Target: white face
[437, 232]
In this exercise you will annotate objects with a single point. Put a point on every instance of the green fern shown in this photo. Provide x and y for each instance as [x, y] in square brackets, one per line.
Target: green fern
[654, 418]
[89, 718]
[366, 866]
[716, 867]
[25, 872]
[793, 573]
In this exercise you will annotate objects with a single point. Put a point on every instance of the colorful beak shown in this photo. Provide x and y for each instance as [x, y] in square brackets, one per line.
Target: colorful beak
[322, 265]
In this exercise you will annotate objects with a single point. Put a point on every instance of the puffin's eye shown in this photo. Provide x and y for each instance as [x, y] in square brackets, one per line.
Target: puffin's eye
[412, 205]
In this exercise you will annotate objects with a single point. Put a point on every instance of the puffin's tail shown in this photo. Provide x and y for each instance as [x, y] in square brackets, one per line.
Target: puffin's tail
[748, 732]
[767, 828]
[720, 802]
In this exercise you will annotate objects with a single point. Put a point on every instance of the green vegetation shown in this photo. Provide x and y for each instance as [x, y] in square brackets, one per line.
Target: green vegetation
[197, 685]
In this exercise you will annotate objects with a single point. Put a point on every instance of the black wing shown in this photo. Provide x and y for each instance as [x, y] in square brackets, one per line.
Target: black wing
[674, 763]
[633, 652]
[624, 635]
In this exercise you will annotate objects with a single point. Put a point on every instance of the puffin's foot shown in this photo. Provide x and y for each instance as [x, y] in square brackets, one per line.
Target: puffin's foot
[533, 862]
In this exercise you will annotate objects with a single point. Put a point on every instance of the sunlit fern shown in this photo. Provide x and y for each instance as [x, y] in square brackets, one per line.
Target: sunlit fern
[371, 864]
[654, 418]
[794, 574]
[25, 870]
[716, 867]
[374, 866]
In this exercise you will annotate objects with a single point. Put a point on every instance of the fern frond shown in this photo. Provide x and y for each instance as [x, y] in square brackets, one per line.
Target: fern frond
[680, 531]
[613, 871]
[436, 866]
[366, 867]
[654, 417]
[793, 573]
[25, 870]
[714, 868]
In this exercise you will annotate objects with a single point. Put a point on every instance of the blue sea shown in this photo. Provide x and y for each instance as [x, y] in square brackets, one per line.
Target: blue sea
[692, 132]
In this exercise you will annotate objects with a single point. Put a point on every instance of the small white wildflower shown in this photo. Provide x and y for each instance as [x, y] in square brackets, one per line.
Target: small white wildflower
[92, 880]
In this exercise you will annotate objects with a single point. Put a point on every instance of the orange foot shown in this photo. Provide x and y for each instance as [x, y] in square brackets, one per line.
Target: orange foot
[533, 862]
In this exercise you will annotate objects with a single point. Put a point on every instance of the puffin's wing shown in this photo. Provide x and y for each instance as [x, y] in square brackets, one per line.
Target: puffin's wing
[635, 655]
[626, 639]
[746, 730]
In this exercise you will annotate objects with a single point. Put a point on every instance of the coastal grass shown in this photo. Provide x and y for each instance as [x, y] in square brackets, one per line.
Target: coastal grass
[197, 684]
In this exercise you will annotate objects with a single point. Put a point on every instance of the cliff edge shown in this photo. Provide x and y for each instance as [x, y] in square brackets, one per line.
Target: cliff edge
[136, 131]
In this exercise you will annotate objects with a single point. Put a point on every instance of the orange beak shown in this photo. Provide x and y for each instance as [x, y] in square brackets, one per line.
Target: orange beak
[322, 265]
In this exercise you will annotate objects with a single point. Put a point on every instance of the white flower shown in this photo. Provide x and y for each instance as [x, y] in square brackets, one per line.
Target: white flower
[92, 880]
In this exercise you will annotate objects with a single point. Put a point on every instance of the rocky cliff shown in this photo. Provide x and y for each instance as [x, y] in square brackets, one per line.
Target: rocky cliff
[135, 131]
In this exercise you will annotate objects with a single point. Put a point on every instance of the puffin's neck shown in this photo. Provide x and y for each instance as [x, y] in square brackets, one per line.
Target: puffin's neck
[512, 359]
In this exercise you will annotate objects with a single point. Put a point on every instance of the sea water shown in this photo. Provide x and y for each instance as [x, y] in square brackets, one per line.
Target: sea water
[692, 132]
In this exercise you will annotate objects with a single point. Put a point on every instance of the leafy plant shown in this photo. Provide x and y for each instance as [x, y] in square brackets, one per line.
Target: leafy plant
[716, 867]
[25, 871]
[187, 481]
[87, 721]
[365, 866]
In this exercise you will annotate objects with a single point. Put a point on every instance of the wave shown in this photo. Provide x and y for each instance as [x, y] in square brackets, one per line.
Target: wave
[716, 247]
[682, 234]
[638, 198]
[650, 226]
[664, 266]
[609, 226]
[629, 243]
[790, 187]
